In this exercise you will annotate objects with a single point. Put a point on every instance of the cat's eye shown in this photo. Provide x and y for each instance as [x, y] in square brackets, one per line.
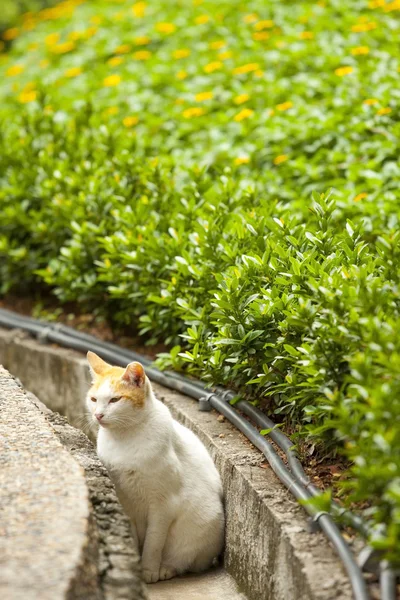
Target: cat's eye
[93, 399]
[115, 399]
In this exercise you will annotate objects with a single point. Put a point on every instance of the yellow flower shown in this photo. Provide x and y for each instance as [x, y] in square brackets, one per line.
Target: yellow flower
[306, 35]
[142, 55]
[259, 36]
[203, 96]
[74, 36]
[139, 9]
[395, 5]
[14, 70]
[244, 114]
[248, 68]
[384, 111]
[341, 71]
[112, 110]
[371, 101]
[361, 27]
[96, 20]
[111, 80]
[202, 19]
[51, 39]
[166, 28]
[90, 31]
[250, 18]
[123, 49]
[10, 34]
[183, 53]
[280, 159]
[63, 48]
[284, 106]
[242, 160]
[73, 72]
[115, 61]
[360, 197]
[360, 50]
[29, 24]
[213, 66]
[29, 96]
[62, 10]
[181, 75]
[142, 40]
[225, 55]
[180, 101]
[196, 111]
[31, 47]
[217, 45]
[263, 25]
[29, 86]
[241, 98]
[130, 121]
[258, 73]
[44, 63]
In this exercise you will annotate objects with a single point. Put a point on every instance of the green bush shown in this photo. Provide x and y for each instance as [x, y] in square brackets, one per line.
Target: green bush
[166, 166]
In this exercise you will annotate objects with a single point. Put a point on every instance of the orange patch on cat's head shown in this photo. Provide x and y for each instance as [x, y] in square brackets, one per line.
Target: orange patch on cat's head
[129, 383]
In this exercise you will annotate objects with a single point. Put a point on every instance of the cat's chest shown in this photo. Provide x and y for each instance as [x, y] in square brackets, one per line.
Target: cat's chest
[122, 455]
[131, 483]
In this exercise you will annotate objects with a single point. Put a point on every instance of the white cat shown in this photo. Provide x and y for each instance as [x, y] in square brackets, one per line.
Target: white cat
[164, 476]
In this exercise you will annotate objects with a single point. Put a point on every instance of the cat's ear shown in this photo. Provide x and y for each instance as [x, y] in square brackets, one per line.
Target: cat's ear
[97, 365]
[134, 374]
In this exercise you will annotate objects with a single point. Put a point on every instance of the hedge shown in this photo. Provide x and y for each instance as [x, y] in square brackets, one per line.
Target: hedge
[167, 165]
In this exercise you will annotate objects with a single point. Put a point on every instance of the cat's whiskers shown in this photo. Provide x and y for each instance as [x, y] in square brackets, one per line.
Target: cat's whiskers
[84, 422]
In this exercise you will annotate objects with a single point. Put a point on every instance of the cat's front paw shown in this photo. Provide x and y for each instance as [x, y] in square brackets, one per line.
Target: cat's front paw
[167, 572]
[151, 576]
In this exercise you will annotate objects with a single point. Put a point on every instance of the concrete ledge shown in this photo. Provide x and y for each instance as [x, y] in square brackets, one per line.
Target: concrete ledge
[118, 559]
[43, 500]
[268, 549]
[63, 532]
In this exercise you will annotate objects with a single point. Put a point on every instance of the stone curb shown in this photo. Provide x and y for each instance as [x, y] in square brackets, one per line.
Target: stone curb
[43, 500]
[268, 548]
[119, 568]
[81, 547]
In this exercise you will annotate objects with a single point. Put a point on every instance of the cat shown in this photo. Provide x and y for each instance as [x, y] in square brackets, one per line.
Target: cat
[164, 477]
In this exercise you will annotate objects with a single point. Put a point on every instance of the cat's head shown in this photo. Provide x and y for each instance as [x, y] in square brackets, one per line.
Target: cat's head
[117, 396]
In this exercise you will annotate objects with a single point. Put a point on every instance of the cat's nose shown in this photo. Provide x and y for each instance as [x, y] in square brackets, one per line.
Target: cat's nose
[99, 416]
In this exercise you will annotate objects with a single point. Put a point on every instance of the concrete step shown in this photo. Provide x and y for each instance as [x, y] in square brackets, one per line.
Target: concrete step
[212, 585]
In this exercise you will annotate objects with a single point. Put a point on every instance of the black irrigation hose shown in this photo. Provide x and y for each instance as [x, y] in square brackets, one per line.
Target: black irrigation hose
[66, 336]
[300, 493]
[295, 465]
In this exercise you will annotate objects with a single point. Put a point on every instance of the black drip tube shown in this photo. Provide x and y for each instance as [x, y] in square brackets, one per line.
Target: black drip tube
[297, 482]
